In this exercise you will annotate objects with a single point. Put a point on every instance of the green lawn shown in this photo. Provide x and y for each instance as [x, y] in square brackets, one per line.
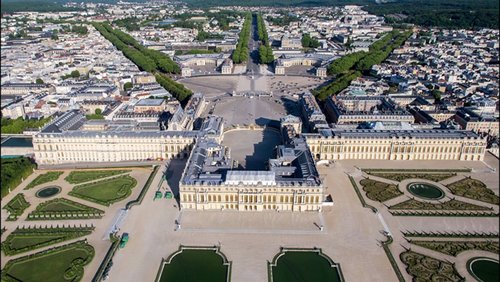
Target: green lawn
[44, 178]
[107, 191]
[56, 265]
[23, 240]
[77, 177]
[473, 189]
[195, 265]
[60, 208]
[16, 206]
[304, 266]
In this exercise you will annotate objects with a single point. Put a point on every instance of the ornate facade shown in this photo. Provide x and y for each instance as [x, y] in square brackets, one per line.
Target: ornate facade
[397, 145]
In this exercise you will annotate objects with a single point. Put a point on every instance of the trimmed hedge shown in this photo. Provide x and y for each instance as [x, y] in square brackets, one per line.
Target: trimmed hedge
[61, 208]
[16, 206]
[107, 191]
[44, 178]
[81, 176]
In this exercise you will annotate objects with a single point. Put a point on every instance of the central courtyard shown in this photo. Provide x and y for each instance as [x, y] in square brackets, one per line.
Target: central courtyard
[252, 148]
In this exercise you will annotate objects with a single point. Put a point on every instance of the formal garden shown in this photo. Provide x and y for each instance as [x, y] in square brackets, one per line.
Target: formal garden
[400, 176]
[379, 191]
[473, 189]
[425, 268]
[16, 206]
[26, 239]
[62, 208]
[60, 264]
[195, 264]
[106, 192]
[44, 178]
[292, 265]
[453, 248]
[81, 176]
[412, 204]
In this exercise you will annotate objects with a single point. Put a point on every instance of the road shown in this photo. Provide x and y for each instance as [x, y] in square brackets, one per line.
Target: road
[253, 67]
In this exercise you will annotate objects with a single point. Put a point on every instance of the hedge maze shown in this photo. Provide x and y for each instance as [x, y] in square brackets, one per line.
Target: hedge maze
[107, 191]
[77, 177]
[63, 263]
[44, 178]
[16, 206]
[61, 208]
[26, 239]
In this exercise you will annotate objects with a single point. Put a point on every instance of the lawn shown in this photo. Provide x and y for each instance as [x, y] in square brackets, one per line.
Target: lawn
[107, 191]
[473, 189]
[56, 265]
[16, 206]
[23, 240]
[304, 266]
[61, 208]
[77, 177]
[195, 265]
[379, 191]
[44, 178]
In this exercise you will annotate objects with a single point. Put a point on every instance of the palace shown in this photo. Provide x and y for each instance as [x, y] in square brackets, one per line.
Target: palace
[368, 144]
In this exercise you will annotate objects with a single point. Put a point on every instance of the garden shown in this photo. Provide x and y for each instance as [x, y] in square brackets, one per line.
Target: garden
[452, 204]
[379, 191]
[400, 176]
[453, 248]
[61, 208]
[425, 268]
[16, 206]
[26, 239]
[473, 189]
[44, 178]
[60, 264]
[77, 177]
[105, 192]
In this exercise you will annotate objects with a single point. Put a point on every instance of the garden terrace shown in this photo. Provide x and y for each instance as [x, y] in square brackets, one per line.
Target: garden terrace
[77, 177]
[61, 208]
[57, 264]
[105, 192]
[44, 178]
[24, 240]
[16, 206]
[473, 189]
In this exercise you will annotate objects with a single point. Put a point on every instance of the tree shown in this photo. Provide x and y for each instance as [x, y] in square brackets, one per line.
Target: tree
[98, 111]
[75, 74]
[39, 81]
[127, 86]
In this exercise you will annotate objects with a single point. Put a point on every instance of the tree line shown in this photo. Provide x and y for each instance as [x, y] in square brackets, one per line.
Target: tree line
[240, 54]
[14, 170]
[351, 66]
[309, 42]
[266, 55]
[149, 60]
